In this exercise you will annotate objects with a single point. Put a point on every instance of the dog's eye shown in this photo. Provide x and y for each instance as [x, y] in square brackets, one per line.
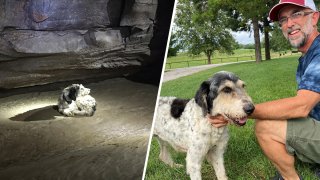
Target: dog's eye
[227, 90]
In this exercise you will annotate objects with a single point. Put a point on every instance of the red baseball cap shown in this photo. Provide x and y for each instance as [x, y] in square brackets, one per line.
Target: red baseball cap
[273, 14]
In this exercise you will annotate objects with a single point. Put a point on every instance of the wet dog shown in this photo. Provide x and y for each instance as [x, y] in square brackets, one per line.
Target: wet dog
[76, 100]
[183, 123]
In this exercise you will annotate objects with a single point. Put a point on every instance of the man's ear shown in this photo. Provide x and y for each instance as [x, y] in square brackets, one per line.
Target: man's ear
[315, 19]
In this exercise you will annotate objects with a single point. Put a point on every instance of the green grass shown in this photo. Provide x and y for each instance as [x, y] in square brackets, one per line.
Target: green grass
[187, 60]
[244, 159]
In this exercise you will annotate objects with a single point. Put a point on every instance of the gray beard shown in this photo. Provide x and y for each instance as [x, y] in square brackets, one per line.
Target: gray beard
[300, 43]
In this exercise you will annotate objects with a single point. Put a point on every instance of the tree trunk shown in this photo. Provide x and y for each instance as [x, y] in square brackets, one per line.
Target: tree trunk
[209, 59]
[266, 39]
[208, 53]
[256, 40]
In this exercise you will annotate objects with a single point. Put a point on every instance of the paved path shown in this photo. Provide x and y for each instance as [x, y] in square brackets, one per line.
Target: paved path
[180, 72]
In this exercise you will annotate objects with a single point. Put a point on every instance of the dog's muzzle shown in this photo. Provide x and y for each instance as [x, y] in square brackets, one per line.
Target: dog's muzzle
[241, 121]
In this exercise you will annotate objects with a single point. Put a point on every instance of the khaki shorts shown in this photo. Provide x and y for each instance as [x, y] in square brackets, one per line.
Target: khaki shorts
[303, 139]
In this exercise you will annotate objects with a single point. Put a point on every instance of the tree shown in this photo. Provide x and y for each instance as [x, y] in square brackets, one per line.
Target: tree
[240, 20]
[267, 27]
[174, 45]
[199, 31]
[249, 16]
[278, 42]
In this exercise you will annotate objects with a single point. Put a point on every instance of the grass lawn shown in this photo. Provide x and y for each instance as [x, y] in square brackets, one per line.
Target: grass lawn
[243, 159]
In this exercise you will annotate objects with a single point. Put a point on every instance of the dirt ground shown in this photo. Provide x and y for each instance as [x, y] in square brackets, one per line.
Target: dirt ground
[36, 142]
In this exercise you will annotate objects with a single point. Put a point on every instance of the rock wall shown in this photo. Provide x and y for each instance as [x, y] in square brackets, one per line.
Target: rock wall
[45, 41]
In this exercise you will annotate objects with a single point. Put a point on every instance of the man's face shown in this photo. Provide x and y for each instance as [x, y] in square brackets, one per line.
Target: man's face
[296, 30]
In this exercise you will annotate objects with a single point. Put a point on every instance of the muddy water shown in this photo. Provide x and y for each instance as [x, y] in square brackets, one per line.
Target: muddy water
[36, 142]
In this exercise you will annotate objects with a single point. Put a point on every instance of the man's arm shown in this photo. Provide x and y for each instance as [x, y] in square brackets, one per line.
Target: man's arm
[287, 108]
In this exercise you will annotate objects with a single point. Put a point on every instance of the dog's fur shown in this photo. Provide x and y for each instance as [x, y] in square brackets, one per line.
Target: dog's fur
[75, 100]
[183, 124]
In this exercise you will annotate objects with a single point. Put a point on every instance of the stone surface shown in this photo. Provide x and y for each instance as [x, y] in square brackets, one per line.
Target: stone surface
[60, 15]
[48, 41]
[39, 143]
[44, 42]
[136, 14]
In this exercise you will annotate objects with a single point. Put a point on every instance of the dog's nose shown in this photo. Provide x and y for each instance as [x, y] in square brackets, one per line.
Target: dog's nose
[248, 108]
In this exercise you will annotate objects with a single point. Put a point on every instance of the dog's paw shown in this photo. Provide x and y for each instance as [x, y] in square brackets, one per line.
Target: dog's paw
[175, 165]
[68, 113]
[90, 113]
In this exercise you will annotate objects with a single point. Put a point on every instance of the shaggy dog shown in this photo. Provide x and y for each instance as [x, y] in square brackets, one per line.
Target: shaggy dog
[75, 100]
[183, 123]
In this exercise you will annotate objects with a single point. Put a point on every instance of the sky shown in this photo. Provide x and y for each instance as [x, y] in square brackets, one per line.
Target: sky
[243, 37]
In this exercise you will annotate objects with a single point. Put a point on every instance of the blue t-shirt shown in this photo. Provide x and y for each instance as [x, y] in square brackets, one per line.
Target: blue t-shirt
[308, 73]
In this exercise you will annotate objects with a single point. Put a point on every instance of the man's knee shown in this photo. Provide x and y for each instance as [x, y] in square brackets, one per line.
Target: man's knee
[261, 127]
[271, 129]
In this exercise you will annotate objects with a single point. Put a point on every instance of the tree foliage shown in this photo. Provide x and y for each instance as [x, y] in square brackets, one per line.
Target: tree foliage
[278, 42]
[174, 45]
[249, 16]
[200, 30]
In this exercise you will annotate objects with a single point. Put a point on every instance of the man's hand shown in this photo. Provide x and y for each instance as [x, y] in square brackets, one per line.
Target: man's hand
[217, 121]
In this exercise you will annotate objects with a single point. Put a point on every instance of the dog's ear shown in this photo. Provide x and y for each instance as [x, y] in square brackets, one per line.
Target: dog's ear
[201, 96]
[65, 95]
[213, 93]
[73, 92]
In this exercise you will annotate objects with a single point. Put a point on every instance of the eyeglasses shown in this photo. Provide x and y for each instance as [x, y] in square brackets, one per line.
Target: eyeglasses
[295, 16]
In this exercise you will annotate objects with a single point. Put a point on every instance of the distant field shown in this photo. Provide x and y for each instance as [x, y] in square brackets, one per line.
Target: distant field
[187, 60]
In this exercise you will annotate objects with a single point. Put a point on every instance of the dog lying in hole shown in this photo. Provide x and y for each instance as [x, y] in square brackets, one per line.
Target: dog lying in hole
[75, 100]
[183, 123]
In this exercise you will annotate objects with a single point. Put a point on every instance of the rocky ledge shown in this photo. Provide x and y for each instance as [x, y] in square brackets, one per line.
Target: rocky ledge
[47, 41]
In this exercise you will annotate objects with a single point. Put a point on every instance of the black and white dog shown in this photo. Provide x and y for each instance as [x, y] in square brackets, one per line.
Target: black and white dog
[183, 123]
[75, 100]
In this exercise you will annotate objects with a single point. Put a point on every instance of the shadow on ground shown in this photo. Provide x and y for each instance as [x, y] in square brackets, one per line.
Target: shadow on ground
[39, 114]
